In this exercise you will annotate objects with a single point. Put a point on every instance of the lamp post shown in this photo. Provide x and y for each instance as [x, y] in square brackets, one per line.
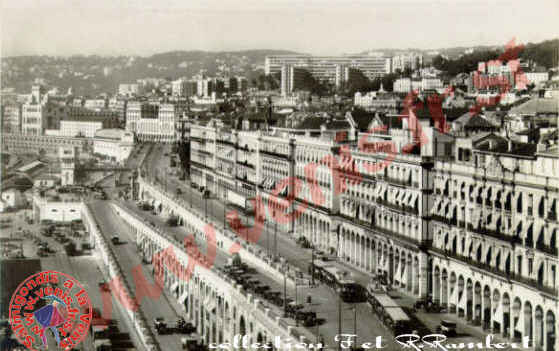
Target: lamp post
[284, 291]
[205, 204]
[224, 207]
[275, 234]
[339, 321]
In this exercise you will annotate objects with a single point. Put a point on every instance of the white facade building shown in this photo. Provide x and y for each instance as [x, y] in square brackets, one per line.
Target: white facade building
[115, 144]
[73, 128]
[402, 85]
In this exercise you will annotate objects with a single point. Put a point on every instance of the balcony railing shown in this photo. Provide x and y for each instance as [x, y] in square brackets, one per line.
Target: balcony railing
[404, 208]
[451, 221]
[547, 249]
[272, 153]
[396, 181]
[484, 231]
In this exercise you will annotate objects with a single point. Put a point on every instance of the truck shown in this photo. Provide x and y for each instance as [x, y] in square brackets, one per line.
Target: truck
[241, 201]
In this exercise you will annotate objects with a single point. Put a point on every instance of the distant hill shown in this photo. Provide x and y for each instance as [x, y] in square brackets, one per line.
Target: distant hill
[543, 53]
[93, 74]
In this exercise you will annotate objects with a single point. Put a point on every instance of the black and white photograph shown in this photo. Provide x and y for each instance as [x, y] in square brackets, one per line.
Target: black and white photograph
[198, 175]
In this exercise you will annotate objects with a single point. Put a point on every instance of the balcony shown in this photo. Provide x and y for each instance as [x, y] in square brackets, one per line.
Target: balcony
[422, 244]
[443, 219]
[547, 249]
[494, 234]
[198, 139]
[274, 153]
[403, 208]
[245, 163]
[396, 181]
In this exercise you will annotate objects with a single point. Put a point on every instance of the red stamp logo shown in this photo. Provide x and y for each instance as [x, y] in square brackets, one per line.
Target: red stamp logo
[50, 301]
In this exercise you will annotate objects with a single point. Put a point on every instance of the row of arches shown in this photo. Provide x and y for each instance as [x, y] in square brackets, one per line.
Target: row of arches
[496, 309]
[402, 267]
[216, 317]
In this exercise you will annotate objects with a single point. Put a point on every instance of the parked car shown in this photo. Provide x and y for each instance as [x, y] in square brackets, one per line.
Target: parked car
[160, 325]
[184, 327]
[447, 328]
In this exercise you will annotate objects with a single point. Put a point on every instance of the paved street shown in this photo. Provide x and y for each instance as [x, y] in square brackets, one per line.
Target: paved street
[129, 259]
[368, 324]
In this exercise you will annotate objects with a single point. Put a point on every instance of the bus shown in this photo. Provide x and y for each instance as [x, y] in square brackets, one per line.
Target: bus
[333, 275]
[389, 312]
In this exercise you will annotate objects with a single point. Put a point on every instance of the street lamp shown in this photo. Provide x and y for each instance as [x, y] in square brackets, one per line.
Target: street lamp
[275, 234]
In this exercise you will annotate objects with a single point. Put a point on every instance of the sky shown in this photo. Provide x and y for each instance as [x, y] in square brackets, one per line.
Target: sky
[322, 27]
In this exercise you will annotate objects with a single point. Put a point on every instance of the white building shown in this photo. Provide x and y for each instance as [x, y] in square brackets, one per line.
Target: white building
[11, 198]
[73, 128]
[290, 79]
[151, 122]
[536, 77]
[32, 119]
[128, 89]
[67, 157]
[56, 211]
[411, 61]
[431, 83]
[95, 104]
[11, 118]
[115, 144]
[402, 85]
[181, 87]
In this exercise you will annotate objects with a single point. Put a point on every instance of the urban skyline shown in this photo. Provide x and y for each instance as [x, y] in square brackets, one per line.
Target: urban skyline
[139, 29]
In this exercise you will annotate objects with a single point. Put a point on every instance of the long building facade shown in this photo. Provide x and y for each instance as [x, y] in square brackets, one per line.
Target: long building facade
[476, 234]
[324, 68]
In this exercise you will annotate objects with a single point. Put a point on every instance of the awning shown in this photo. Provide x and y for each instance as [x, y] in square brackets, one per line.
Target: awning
[183, 297]
[174, 286]
[519, 325]
[434, 210]
[382, 191]
[210, 304]
[407, 198]
[396, 194]
[451, 212]
[498, 315]
[453, 295]
[413, 199]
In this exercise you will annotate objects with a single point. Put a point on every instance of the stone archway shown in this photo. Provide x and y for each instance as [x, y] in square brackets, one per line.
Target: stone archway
[436, 285]
[444, 289]
[551, 326]
[487, 308]
[528, 329]
[469, 300]
[242, 326]
[518, 326]
[539, 336]
[477, 304]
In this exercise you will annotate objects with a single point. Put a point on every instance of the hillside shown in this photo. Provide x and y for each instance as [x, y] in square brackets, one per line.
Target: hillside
[89, 75]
